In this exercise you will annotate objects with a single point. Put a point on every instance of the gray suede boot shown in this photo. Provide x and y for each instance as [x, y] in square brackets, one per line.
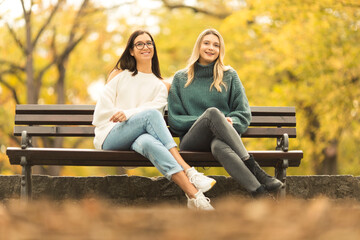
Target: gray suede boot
[261, 192]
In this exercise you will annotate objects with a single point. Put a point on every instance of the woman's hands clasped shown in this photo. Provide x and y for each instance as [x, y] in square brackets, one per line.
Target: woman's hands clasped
[118, 117]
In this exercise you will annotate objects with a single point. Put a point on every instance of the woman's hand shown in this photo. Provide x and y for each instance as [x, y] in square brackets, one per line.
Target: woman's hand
[118, 117]
[229, 120]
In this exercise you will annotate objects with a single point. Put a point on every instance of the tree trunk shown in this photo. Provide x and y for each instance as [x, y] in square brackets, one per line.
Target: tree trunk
[329, 164]
[60, 85]
[60, 89]
[31, 98]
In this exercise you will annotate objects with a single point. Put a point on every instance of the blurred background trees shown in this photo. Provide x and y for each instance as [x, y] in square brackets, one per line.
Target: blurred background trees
[287, 53]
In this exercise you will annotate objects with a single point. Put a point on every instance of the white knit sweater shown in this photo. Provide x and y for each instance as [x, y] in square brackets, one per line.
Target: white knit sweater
[130, 94]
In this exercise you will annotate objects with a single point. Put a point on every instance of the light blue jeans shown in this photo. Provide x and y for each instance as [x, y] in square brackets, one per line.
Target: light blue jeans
[147, 134]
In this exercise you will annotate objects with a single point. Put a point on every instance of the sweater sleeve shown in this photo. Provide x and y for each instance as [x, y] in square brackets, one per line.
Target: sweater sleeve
[158, 102]
[105, 106]
[239, 106]
[179, 120]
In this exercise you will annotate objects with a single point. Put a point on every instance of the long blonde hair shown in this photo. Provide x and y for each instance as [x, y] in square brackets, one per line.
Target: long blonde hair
[219, 66]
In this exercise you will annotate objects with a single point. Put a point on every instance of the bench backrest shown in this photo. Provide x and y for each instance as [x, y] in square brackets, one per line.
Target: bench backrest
[76, 120]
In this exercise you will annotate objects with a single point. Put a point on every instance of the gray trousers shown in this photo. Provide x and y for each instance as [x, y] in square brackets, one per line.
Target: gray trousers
[211, 131]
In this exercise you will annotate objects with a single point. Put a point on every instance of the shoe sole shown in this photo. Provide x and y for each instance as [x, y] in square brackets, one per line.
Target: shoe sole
[275, 189]
[207, 189]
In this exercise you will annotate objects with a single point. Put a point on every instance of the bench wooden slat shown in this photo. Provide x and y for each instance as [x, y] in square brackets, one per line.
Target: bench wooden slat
[89, 109]
[91, 157]
[56, 119]
[269, 132]
[71, 119]
[273, 121]
[272, 111]
[54, 109]
[55, 131]
[89, 131]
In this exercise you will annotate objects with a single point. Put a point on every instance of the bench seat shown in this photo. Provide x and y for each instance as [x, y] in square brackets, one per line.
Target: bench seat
[92, 157]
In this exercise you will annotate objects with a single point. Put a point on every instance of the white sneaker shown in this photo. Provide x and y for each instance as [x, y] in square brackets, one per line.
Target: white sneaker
[200, 202]
[200, 181]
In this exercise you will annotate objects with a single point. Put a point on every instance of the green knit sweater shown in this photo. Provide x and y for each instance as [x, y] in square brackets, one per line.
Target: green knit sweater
[187, 104]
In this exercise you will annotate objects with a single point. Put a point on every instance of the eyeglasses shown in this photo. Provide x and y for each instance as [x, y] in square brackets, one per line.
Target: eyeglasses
[141, 45]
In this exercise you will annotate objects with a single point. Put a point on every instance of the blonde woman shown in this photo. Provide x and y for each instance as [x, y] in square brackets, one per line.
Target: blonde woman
[209, 110]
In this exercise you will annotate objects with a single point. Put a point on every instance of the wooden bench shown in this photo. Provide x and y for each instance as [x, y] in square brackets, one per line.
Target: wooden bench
[34, 120]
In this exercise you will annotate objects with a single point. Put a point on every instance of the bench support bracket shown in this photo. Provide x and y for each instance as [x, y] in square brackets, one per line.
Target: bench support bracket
[280, 173]
[26, 179]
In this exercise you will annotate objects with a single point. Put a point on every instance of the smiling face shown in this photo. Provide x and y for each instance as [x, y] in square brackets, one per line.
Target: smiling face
[147, 52]
[209, 49]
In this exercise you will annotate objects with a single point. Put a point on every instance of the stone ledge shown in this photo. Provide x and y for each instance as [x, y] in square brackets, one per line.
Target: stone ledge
[125, 189]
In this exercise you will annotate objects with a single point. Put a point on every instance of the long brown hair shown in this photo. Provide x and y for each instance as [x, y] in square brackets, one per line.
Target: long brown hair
[127, 61]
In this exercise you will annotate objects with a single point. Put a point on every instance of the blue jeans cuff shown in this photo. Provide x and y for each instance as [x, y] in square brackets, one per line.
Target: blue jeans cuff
[173, 171]
[170, 145]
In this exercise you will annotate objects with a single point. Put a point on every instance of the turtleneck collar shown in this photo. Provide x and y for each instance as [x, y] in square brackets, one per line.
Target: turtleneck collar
[204, 71]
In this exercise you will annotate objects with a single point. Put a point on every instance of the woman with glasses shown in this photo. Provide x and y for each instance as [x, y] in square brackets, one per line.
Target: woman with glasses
[209, 110]
[128, 115]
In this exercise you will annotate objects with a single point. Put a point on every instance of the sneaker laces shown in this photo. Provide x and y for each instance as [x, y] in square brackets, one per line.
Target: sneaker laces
[202, 201]
[196, 175]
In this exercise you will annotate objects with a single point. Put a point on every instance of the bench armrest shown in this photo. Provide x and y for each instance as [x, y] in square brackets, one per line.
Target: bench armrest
[25, 140]
[283, 143]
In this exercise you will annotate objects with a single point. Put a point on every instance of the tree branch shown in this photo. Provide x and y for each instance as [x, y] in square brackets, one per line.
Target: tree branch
[44, 69]
[76, 24]
[72, 45]
[102, 9]
[12, 89]
[196, 9]
[14, 72]
[348, 4]
[52, 14]
[52, 62]
[16, 39]
[71, 42]
[12, 65]
[23, 6]
[15, 139]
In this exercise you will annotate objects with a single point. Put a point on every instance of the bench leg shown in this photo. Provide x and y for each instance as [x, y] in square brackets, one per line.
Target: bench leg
[25, 193]
[280, 173]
